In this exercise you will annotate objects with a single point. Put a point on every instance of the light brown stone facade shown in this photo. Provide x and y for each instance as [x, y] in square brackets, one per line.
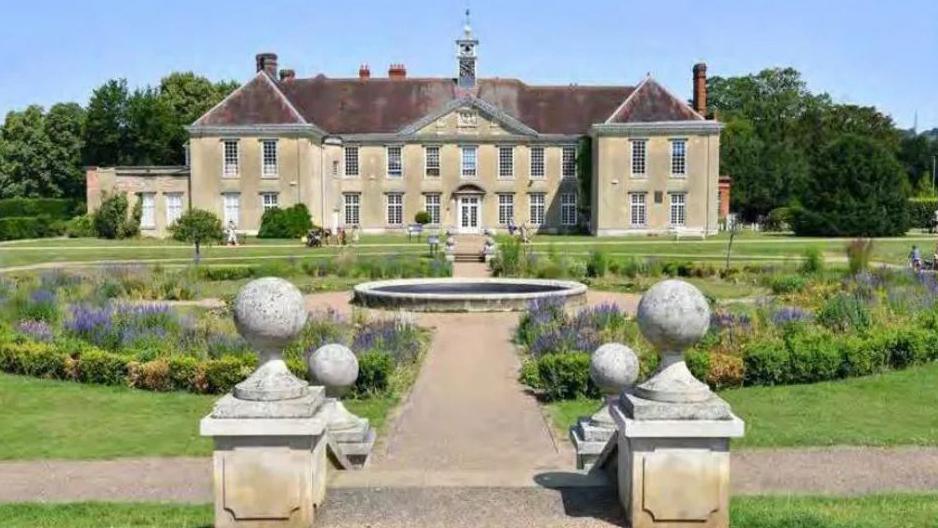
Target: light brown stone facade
[164, 190]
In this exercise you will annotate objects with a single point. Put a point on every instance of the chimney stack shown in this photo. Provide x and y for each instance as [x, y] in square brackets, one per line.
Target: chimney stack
[364, 72]
[700, 89]
[397, 72]
[287, 74]
[268, 63]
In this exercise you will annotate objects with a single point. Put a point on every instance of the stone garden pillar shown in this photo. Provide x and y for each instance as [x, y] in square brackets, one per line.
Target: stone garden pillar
[673, 432]
[270, 457]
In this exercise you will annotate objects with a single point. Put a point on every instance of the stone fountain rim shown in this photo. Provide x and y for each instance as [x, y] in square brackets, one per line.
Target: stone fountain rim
[569, 289]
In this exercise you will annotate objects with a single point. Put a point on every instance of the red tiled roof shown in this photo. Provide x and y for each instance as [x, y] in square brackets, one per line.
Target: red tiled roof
[344, 106]
[651, 102]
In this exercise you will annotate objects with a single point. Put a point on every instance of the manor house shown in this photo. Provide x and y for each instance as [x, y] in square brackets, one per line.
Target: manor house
[472, 152]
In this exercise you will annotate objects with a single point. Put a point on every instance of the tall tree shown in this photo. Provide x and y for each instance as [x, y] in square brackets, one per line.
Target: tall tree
[64, 126]
[189, 96]
[24, 169]
[915, 154]
[151, 126]
[106, 125]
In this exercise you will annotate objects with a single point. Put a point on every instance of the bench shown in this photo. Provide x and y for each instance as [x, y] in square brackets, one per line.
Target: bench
[687, 232]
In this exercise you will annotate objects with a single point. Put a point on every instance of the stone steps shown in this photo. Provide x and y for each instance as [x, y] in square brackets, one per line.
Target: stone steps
[468, 257]
[478, 507]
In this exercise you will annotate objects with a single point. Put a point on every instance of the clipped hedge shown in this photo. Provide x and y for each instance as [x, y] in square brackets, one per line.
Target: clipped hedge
[292, 222]
[20, 227]
[922, 211]
[72, 361]
[54, 208]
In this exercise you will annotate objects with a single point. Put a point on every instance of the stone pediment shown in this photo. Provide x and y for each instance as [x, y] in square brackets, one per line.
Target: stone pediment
[469, 117]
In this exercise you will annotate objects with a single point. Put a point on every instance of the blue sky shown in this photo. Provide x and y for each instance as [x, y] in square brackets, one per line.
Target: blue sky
[863, 51]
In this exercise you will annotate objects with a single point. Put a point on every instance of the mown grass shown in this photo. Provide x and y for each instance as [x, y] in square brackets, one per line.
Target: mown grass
[893, 511]
[844, 412]
[66, 420]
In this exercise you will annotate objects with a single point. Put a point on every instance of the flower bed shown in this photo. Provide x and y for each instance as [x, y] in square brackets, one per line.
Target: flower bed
[826, 329]
[56, 327]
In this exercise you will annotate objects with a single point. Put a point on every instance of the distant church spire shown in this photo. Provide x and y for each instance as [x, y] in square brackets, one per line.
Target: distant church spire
[466, 53]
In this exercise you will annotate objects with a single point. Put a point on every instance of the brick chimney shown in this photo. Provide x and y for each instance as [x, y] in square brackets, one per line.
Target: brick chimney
[364, 72]
[268, 63]
[700, 88]
[397, 71]
[287, 74]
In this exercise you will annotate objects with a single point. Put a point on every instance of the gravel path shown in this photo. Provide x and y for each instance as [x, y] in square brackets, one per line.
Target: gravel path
[821, 471]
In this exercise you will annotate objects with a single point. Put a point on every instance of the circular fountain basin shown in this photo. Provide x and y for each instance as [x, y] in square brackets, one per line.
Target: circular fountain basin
[465, 295]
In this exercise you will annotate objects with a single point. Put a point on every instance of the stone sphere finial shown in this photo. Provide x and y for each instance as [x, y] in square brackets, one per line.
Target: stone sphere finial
[613, 367]
[673, 315]
[334, 366]
[269, 313]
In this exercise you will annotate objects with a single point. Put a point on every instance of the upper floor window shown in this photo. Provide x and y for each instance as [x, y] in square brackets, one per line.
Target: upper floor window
[638, 158]
[679, 157]
[431, 155]
[568, 167]
[678, 209]
[231, 158]
[568, 209]
[469, 161]
[395, 163]
[269, 158]
[506, 162]
[537, 162]
[269, 200]
[351, 161]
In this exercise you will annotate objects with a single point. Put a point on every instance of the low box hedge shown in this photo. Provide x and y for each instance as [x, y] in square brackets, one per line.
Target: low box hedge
[54, 208]
[21, 227]
[922, 212]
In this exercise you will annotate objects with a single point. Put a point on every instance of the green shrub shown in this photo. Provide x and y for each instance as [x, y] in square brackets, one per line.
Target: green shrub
[374, 373]
[292, 222]
[221, 375]
[19, 227]
[843, 312]
[598, 264]
[778, 219]
[422, 217]
[813, 260]
[509, 261]
[41, 360]
[227, 273]
[565, 376]
[815, 355]
[766, 363]
[783, 284]
[105, 368]
[698, 362]
[111, 216]
[80, 227]
[862, 357]
[184, 374]
[859, 252]
[922, 212]
[54, 208]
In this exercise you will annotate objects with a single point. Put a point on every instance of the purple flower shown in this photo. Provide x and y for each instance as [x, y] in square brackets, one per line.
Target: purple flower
[790, 314]
[94, 325]
[36, 330]
[42, 296]
[720, 320]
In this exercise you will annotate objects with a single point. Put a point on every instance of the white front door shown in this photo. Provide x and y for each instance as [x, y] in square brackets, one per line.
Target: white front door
[469, 214]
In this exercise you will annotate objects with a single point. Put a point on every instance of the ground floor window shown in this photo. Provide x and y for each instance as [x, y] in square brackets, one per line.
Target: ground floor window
[506, 209]
[148, 210]
[173, 207]
[395, 209]
[232, 208]
[537, 208]
[352, 202]
[678, 209]
[270, 200]
[432, 207]
[637, 209]
[568, 209]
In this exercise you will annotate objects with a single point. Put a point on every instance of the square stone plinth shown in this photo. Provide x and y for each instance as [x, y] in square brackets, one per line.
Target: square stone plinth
[675, 473]
[268, 472]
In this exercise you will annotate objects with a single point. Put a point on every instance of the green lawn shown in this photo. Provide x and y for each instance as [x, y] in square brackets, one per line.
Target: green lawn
[893, 511]
[58, 419]
[846, 412]
[747, 247]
